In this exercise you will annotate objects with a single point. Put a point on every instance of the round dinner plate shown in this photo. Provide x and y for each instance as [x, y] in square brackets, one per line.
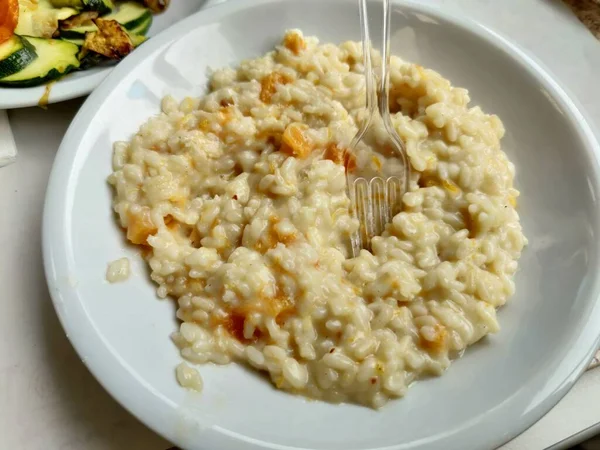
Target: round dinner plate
[82, 83]
[496, 390]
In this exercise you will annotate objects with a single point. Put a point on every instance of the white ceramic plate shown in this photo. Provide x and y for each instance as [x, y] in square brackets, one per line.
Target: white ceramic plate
[82, 83]
[498, 389]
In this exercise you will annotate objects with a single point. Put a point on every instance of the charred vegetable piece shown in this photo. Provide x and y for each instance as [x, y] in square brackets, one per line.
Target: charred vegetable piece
[77, 26]
[157, 6]
[112, 45]
[133, 16]
[84, 19]
[38, 18]
[111, 40]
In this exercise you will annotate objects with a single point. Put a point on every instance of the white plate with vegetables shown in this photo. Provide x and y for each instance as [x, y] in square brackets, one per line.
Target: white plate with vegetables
[56, 50]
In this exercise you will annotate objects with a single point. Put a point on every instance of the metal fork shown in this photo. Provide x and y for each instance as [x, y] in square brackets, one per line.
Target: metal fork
[376, 199]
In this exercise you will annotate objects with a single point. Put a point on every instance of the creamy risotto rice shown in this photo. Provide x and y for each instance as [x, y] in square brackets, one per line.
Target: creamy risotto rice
[239, 200]
[118, 270]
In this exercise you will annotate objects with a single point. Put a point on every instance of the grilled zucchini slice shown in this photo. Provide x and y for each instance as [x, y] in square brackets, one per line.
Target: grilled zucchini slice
[142, 28]
[15, 55]
[67, 3]
[76, 27]
[55, 58]
[78, 42]
[130, 14]
[102, 6]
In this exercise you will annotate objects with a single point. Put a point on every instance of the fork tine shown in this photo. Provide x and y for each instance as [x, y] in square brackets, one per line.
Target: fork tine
[394, 188]
[379, 204]
[375, 203]
[363, 211]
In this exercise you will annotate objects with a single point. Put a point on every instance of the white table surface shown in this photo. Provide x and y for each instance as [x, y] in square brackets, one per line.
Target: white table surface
[48, 399]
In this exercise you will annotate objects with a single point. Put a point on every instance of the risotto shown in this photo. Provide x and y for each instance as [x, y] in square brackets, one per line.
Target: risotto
[239, 200]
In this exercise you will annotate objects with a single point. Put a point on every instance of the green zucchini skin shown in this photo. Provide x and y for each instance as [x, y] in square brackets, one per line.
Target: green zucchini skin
[143, 28]
[55, 58]
[102, 6]
[20, 53]
[77, 33]
[130, 14]
[78, 4]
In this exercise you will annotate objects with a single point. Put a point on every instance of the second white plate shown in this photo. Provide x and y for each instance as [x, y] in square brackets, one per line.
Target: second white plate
[82, 83]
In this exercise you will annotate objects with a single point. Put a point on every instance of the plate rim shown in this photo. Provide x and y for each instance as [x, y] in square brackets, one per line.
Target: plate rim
[65, 89]
[54, 206]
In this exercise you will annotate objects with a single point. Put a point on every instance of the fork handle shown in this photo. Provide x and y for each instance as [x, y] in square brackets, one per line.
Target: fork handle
[367, 61]
[384, 86]
[382, 90]
[380, 98]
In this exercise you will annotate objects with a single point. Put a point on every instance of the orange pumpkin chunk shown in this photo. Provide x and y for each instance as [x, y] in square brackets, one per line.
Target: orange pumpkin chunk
[268, 85]
[295, 142]
[439, 341]
[294, 42]
[140, 227]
